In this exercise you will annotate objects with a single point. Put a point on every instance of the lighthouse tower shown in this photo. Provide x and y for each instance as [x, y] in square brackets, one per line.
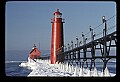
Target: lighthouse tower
[57, 39]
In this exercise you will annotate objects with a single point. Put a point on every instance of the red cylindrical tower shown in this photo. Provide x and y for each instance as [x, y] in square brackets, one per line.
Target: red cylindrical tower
[57, 35]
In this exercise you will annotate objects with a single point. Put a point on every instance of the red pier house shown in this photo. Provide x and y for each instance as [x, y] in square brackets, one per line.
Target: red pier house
[35, 53]
[57, 40]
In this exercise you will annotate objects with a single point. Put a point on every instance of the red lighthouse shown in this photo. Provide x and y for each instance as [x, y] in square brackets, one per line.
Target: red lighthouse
[35, 53]
[57, 35]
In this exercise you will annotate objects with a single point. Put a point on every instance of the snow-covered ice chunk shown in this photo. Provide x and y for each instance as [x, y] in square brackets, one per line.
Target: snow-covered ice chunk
[81, 72]
[106, 72]
[95, 74]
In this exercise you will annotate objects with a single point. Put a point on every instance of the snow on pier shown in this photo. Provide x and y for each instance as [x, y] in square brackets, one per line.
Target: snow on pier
[44, 68]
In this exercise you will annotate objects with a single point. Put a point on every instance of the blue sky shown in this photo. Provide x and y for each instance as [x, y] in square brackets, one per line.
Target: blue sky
[28, 22]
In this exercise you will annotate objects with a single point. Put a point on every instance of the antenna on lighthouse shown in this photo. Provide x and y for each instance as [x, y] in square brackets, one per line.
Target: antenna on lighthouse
[39, 45]
[33, 46]
[57, 9]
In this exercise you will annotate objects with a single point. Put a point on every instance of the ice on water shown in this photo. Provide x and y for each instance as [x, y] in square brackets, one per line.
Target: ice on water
[44, 68]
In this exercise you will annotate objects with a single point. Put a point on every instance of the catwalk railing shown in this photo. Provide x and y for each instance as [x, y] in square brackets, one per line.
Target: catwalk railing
[86, 50]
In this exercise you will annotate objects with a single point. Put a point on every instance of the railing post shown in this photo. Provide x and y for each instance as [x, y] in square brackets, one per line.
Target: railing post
[77, 41]
[62, 55]
[69, 53]
[65, 55]
[105, 44]
[92, 49]
[72, 49]
[75, 52]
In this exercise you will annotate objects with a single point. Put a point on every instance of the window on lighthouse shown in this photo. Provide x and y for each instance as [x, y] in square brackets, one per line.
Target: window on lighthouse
[57, 16]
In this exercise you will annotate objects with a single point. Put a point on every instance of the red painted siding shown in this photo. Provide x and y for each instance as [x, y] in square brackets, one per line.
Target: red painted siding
[34, 53]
